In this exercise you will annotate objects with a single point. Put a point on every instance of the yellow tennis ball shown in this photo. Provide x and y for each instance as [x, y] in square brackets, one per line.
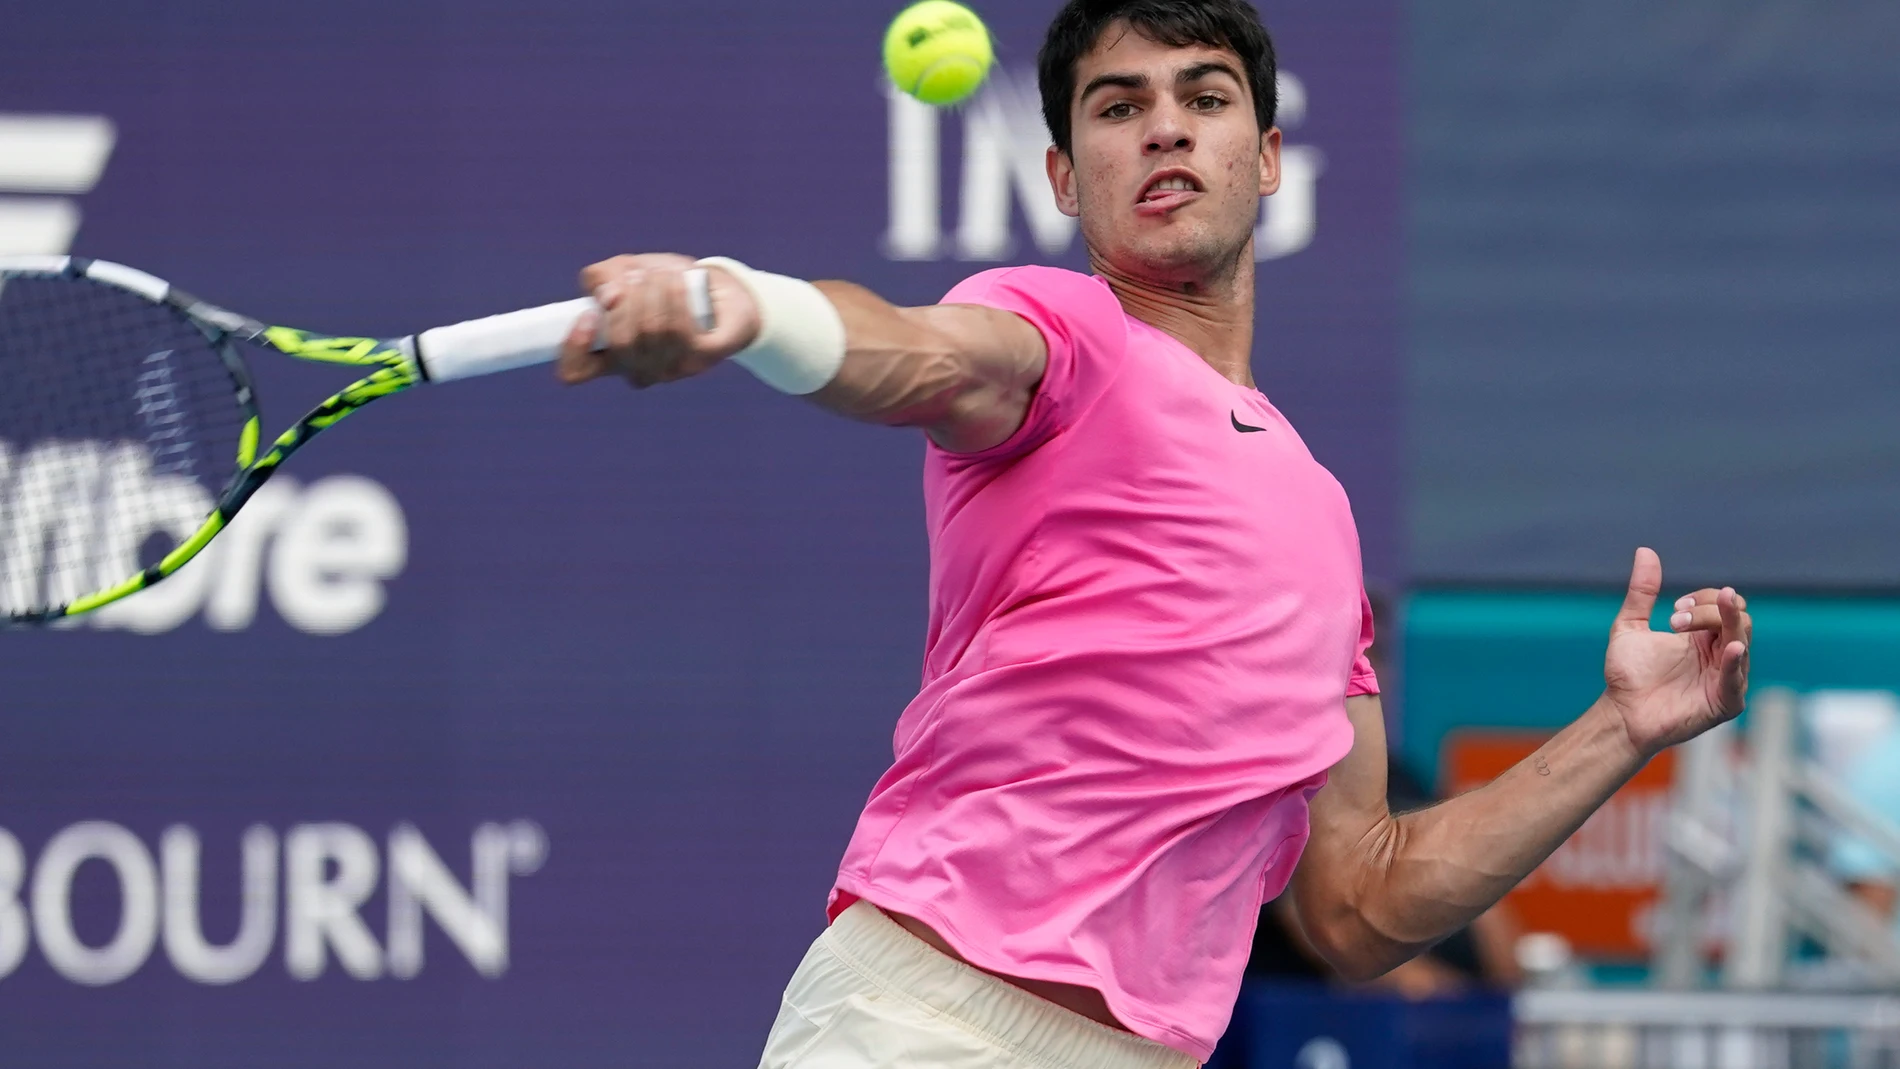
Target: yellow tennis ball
[938, 52]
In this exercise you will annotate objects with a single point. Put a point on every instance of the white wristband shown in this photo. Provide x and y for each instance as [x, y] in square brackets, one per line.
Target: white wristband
[801, 341]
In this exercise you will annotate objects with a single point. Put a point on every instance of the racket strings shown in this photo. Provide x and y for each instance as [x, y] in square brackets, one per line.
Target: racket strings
[118, 428]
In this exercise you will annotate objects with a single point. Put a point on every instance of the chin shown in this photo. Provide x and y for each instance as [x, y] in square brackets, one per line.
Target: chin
[1181, 258]
[1184, 248]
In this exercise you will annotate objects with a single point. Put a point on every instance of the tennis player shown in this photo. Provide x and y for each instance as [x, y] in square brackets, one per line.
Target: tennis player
[1146, 704]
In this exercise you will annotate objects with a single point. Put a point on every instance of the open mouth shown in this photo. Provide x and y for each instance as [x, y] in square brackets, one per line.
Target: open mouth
[1169, 189]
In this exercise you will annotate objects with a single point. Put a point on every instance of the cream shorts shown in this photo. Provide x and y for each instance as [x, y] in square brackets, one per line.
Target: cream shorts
[870, 995]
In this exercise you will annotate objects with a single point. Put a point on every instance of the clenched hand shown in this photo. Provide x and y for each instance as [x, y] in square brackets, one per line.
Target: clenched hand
[648, 326]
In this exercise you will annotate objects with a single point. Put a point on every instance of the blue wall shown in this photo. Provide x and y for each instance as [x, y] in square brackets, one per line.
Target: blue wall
[1652, 294]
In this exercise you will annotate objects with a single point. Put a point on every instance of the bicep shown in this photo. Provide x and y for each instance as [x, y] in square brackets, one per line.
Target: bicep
[1348, 813]
[1350, 842]
[964, 373]
[1003, 358]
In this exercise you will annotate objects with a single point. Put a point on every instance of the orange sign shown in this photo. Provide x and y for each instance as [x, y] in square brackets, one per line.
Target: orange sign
[1598, 889]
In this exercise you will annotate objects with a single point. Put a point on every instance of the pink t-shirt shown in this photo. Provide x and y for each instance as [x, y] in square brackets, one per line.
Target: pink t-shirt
[1146, 613]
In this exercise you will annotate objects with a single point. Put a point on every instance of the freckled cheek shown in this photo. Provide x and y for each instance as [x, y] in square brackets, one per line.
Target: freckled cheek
[1243, 176]
[1100, 190]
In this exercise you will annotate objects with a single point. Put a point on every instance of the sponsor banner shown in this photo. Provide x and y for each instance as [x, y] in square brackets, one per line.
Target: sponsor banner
[513, 724]
[328, 871]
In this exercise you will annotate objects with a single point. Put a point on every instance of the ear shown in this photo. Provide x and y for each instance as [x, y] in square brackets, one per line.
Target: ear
[1062, 181]
[1270, 162]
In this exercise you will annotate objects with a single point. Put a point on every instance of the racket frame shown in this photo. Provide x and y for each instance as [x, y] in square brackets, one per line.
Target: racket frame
[395, 369]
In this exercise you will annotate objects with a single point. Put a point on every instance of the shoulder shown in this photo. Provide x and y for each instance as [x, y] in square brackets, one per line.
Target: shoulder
[1053, 286]
[1077, 314]
[1085, 333]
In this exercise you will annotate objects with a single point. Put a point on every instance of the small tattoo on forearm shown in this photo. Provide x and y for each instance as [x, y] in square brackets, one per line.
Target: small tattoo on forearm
[1542, 766]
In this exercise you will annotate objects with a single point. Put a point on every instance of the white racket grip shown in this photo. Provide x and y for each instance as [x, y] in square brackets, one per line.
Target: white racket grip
[498, 343]
[528, 337]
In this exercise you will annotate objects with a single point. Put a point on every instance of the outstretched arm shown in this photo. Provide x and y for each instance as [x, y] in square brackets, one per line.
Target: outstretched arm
[965, 374]
[1374, 889]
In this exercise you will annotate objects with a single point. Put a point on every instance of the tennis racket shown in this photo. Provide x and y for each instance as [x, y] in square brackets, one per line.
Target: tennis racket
[130, 431]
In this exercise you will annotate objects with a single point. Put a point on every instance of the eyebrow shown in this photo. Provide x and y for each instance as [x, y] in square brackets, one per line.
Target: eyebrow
[1140, 81]
[1202, 70]
[1124, 81]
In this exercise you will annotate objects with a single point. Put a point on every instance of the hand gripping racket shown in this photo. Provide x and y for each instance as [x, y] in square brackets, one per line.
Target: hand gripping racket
[129, 429]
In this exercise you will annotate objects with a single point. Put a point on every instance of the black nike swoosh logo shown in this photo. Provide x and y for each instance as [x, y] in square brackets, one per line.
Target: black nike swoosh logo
[1242, 427]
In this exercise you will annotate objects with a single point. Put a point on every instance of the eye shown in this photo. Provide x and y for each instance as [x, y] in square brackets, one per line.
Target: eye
[1208, 102]
[1120, 110]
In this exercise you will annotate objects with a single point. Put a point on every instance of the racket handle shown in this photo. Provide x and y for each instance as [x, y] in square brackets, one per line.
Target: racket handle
[525, 338]
[498, 343]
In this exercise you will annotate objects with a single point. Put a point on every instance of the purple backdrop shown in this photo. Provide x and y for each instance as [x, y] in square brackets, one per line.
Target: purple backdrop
[659, 639]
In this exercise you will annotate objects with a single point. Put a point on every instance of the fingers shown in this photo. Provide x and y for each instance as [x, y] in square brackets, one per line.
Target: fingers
[663, 311]
[1721, 620]
[1716, 621]
[1737, 637]
[648, 322]
[653, 360]
[1645, 585]
[1732, 684]
[1733, 625]
[578, 362]
[1708, 596]
[1737, 625]
[594, 276]
[656, 302]
[1723, 612]
[650, 330]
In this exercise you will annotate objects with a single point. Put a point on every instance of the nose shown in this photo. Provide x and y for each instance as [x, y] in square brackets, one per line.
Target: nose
[1168, 131]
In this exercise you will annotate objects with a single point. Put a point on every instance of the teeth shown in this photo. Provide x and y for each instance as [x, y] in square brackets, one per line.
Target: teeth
[1166, 185]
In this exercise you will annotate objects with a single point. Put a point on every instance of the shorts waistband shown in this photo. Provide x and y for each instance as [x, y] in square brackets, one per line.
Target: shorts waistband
[874, 946]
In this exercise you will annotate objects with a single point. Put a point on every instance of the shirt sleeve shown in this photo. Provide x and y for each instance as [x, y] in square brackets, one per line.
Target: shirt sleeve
[1364, 680]
[1086, 333]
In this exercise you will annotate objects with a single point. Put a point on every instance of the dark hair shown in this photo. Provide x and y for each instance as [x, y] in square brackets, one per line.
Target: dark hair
[1230, 24]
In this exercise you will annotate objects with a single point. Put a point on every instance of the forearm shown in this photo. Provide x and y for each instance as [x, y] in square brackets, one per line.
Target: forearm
[1373, 889]
[1420, 876]
[962, 373]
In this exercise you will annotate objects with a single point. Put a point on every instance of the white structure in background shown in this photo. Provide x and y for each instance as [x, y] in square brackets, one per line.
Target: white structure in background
[1004, 143]
[1749, 833]
[1794, 812]
[47, 155]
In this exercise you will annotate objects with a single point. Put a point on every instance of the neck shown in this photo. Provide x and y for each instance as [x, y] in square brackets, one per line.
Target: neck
[1212, 315]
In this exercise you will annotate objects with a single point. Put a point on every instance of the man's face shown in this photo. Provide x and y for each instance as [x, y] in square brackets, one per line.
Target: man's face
[1168, 164]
